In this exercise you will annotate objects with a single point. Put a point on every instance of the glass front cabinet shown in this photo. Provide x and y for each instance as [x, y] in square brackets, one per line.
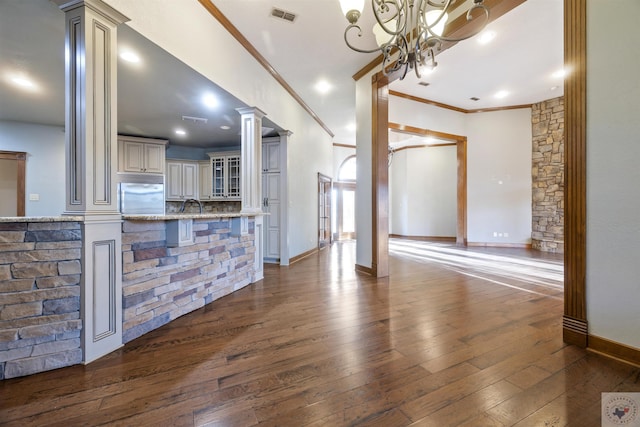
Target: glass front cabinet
[225, 175]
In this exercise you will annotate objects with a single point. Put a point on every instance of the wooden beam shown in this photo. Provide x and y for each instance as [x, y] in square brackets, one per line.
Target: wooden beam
[457, 28]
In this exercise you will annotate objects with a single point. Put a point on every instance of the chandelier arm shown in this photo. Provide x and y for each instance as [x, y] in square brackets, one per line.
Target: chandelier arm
[381, 7]
[359, 33]
[444, 5]
[414, 37]
[419, 59]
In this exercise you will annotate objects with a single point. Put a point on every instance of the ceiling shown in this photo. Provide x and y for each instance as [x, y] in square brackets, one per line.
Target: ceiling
[154, 94]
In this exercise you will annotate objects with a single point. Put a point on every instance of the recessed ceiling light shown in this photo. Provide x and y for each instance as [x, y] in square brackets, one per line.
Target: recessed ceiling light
[351, 127]
[560, 74]
[209, 100]
[180, 132]
[323, 86]
[225, 127]
[554, 87]
[486, 37]
[23, 82]
[130, 56]
[502, 94]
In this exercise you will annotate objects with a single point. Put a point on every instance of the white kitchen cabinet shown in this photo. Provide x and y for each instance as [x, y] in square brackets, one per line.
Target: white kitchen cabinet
[225, 176]
[204, 180]
[141, 155]
[271, 157]
[271, 205]
[181, 180]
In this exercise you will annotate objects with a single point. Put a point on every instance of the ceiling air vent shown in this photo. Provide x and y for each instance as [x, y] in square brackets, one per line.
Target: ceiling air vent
[473, 98]
[284, 15]
[423, 84]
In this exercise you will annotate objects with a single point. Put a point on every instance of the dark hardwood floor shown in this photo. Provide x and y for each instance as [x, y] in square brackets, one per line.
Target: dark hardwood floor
[442, 342]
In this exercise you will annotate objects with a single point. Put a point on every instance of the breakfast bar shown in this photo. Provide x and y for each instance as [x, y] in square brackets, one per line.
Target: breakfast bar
[171, 265]
[165, 275]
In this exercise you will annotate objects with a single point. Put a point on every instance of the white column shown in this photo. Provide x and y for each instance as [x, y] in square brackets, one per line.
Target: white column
[251, 159]
[91, 156]
[251, 178]
[284, 197]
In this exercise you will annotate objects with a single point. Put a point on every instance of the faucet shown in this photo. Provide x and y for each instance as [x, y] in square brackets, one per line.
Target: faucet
[190, 200]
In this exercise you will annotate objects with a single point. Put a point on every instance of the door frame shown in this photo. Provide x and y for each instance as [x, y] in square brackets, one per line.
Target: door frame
[460, 142]
[20, 157]
[340, 186]
[323, 181]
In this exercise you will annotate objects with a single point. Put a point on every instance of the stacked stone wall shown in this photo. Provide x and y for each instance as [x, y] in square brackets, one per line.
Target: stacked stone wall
[160, 283]
[547, 171]
[39, 296]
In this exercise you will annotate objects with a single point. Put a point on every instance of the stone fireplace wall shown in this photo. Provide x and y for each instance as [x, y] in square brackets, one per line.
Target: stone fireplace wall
[547, 170]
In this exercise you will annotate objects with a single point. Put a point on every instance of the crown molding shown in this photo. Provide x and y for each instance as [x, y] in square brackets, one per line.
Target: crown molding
[453, 108]
[235, 33]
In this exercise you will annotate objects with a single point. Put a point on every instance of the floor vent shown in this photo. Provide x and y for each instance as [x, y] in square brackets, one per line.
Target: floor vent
[284, 15]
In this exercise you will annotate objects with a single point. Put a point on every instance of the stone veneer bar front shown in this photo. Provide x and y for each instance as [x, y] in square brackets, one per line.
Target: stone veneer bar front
[161, 283]
[40, 281]
[39, 294]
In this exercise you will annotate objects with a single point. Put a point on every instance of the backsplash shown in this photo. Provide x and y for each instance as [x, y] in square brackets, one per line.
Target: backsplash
[207, 207]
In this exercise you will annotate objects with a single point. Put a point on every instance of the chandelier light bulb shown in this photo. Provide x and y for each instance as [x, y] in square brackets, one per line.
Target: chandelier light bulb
[408, 33]
[432, 16]
[382, 37]
[349, 5]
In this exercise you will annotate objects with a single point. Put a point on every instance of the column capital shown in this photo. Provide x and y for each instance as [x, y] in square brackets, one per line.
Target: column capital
[97, 6]
[251, 110]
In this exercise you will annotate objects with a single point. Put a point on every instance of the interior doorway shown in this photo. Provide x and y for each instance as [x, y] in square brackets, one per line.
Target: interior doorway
[344, 192]
[12, 183]
[324, 210]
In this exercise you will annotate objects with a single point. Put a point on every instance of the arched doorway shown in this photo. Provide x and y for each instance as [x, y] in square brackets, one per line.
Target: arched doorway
[344, 190]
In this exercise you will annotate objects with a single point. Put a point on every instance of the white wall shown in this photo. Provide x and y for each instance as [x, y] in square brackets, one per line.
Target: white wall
[423, 192]
[308, 156]
[340, 154]
[613, 175]
[187, 31]
[407, 112]
[499, 176]
[498, 167]
[45, 164]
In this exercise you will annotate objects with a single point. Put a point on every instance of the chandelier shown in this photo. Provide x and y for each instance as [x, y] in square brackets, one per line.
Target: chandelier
[408, 32]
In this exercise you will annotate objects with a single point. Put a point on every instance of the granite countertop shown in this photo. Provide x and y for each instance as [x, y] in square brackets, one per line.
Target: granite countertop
[59, 218]
[153, 217]
[174, 216]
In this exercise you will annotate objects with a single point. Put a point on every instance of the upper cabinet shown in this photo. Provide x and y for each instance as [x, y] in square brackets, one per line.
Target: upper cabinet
[182, 180]
[205, 179]
[271, 156]
[141, 155]
[225, 174]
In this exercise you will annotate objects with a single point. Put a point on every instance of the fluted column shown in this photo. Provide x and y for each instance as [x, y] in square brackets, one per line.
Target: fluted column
[575, 328]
